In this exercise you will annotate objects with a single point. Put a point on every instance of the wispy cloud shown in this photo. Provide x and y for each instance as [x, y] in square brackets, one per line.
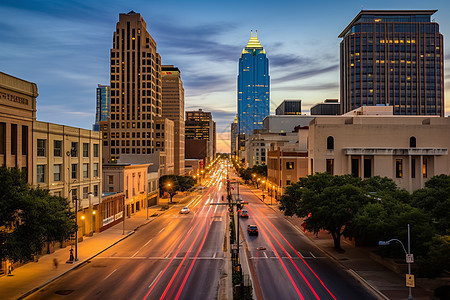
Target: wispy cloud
[302, 74]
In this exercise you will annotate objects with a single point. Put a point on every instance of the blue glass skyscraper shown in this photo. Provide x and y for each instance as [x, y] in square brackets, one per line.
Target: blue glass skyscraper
[102, 108]
[253, 87]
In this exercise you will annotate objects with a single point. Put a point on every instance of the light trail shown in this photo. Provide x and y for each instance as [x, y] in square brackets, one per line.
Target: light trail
[284, 250]
[302, 258]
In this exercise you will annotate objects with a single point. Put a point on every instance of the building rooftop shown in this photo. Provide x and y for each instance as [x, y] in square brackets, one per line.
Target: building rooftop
[386, 13]
[253, 43]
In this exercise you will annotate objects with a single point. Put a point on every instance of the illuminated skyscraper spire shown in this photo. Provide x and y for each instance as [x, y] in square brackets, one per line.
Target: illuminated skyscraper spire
[253, 86]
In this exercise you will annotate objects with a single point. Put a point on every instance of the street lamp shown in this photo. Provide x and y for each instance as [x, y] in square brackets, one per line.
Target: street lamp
[263, 187]
[409, 256]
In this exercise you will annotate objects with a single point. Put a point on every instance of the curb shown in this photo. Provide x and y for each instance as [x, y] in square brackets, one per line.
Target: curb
[355, 275]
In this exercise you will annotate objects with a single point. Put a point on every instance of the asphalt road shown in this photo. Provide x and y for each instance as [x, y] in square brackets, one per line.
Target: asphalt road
[177, 256]
[291, 267]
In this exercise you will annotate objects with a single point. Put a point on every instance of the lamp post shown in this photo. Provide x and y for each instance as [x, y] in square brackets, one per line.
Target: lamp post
[409, 257]
[263, 187]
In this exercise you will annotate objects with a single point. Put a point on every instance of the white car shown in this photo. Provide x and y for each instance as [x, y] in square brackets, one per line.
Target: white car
[185, 210]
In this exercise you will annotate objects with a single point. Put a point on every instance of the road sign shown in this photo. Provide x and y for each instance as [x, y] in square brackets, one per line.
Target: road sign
[409, 258]
[409, 280]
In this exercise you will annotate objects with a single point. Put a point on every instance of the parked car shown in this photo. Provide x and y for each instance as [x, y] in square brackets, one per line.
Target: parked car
[252, 230]
[184, 210]
[244, 213]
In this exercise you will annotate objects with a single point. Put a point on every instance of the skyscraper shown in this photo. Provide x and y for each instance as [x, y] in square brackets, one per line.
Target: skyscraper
[173, 109]
[393, 58]
[253, 87]
[200, 126]
[135, 90]
[102, 108]
[234, 136]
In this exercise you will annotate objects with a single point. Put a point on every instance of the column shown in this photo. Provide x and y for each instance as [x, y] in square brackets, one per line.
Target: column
[362, 166]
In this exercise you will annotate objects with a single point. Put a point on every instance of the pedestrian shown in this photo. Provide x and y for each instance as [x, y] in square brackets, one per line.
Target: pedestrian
[55, 263]
[10, 269]
[71, 258]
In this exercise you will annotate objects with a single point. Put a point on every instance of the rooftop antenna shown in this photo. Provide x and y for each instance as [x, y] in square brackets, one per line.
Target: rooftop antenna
[256, 34]
[251, 33]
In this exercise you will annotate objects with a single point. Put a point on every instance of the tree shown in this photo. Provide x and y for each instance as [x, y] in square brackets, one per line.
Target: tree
[435, 199]
[326, 202]
[29, 217]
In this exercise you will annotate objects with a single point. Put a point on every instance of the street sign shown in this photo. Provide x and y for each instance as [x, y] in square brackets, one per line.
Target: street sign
[234, 246]
[409, 280]
[409, 258]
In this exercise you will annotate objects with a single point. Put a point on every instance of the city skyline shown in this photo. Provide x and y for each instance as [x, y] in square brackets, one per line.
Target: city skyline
[203, 39]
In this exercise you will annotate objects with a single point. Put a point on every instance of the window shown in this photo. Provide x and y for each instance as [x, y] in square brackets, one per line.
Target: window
[24, 140]
[95, 150]
[95, 190]
[288, 182]
[111, 179]
[2, 138]
[40, 173]
[330, 166]
[412, 142]
[57, 148]
[41, 147]
[425, 168]
[74, 149]
[85, 150]
[85, 170]
[85, 192]
[14, 139]
[413, 168]
[398, 168]
[74, 171]
[289, 165]
[330, 143]
[95, 170]
[74, 194]
[57, 172]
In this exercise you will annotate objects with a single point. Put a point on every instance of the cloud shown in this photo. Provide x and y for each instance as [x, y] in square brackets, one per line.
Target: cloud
[308, 87]
[302, 74]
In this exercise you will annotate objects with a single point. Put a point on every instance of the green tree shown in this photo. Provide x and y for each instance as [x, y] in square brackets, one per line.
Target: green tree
[29, 217]
[437, 259]
[326, 202]
[435, 199]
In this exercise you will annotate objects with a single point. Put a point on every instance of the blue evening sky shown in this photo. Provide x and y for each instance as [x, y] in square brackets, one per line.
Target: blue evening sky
[63, 46]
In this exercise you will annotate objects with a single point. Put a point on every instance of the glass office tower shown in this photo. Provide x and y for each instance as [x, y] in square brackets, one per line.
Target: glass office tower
[253, 87]
[102, 108]
[393, 58]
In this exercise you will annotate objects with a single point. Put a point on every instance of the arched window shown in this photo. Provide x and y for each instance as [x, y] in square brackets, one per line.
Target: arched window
[412, 142]
[330, 143]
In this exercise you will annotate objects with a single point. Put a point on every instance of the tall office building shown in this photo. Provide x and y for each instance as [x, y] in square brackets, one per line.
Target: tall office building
[289, 107]
[393, 58]
[328, 107]
[103, 103]
[135, 90]
[200, 126]
[234, 135]
[253, 87]
[173, 109]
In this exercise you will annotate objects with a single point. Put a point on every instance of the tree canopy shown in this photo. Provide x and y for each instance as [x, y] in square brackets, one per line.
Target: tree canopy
[30, 217]
[177, 183]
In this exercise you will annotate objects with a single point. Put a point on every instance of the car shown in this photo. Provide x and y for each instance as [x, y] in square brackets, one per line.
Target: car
[244, 213]
[184, 210]
[252, 230]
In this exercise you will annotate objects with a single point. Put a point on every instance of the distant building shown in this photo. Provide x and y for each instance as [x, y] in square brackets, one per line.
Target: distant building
[394, 58]
[289, 107]
[173, 108]
[253, 87]
[164, 143]
[199, 125]
[234, 136]
[103, 103]
[280, 124]
[328, 107]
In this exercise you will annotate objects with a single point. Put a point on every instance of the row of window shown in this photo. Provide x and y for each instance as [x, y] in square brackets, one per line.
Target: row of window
[330, 142]
[58, 146]
[85, 195]
[57, 172]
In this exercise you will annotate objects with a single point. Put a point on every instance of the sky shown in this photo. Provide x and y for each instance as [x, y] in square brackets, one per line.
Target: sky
[63, 46]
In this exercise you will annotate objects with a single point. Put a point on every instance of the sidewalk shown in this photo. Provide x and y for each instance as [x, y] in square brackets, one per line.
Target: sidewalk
[34, 275]
[384, 283]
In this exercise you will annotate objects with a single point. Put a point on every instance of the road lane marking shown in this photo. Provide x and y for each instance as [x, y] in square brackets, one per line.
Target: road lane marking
[155, 279]
[214, 256]
[301, 255]
[312, 254]
[141, 248]
[161, 230]
[265, 254]
[110, 274]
